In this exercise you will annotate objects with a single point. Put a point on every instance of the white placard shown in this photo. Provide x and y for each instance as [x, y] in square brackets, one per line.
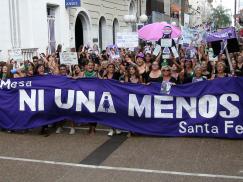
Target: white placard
[166, 42]
[210, 56]
[69, 58]
[157, 49]
[166, 50]
[166, 56]
[186, 19]
[166, 53]
[15, 54]
[3, 56]
[147, 49]
[174, 51]
[131, 49]
[127, 39]
[213, 59]
[115, 56]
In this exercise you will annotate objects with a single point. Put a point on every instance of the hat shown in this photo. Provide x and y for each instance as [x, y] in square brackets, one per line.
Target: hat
[140, 55]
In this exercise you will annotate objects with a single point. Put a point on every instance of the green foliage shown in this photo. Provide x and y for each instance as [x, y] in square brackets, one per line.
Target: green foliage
[221, 17]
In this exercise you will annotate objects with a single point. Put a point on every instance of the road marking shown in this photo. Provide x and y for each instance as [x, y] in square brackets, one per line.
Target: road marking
[100, 154]
[124, 169]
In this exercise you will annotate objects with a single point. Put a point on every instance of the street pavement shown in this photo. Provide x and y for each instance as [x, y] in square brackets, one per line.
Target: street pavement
[99, 158]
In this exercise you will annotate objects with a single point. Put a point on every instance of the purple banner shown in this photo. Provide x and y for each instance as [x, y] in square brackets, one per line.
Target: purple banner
[206, 109]
[224, 34]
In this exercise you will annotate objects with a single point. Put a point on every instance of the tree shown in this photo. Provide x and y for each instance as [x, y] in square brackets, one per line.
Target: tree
[221, 17]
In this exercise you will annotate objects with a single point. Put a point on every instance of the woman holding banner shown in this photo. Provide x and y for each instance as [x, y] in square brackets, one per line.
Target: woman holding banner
[90, 70]
[239, 69]
[205, 69]
[111, 74]
[133, 75]
[187, 73]
[6, 72]
[40, 71]
[198, 74]
[220, 67]
[142, 68]
[77, 72]
[166, 74]
[175, 72]
[91, 73]
[63, 71]
[148, 60]
[155, 75]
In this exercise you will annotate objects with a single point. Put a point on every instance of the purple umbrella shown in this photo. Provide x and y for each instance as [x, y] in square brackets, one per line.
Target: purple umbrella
[155, 31]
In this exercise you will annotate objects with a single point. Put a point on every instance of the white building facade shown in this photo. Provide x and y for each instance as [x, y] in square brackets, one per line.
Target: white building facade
[35, 25]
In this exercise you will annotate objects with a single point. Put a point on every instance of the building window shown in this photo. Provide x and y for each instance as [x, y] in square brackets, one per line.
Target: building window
[115, 30]
[132, 8]
[51, 10]
[157, 5]
[102, 32]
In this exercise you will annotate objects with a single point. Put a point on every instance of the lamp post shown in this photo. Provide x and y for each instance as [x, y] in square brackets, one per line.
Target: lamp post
[132, 19]
[174, 23]
[143, 18]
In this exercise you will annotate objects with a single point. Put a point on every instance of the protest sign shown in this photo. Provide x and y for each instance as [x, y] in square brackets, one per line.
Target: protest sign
[69, 58]
[203, 109]
[210, 54]
[166, 53]
[190, 52]
[147, 49]
[15, 54]
[175, 52]
[224, 34]
[157, 49]
[3, 56]
[166, 42]
[127, 39]
[194, 36]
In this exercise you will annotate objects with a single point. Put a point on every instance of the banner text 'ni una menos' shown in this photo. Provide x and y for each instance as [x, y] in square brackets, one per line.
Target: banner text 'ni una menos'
[207, 109]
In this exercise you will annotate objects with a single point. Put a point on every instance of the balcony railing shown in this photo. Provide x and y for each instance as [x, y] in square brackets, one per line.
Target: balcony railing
[29, 53]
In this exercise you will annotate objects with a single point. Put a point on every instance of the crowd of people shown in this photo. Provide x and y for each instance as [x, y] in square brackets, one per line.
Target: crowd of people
[126, 65]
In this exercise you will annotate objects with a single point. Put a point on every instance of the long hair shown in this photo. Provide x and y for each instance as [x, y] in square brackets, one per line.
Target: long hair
[73, 69]
[36, 69]
[136, 71]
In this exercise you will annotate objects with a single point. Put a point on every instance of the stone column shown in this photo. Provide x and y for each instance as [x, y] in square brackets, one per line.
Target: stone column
[72, 20]
[14, 23]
